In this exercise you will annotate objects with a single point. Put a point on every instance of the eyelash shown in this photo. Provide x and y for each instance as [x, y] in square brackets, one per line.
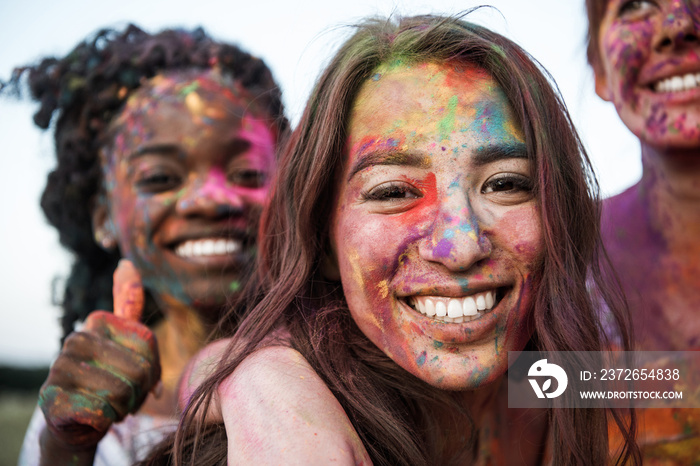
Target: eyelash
[157, 181]
[633, 6]
[519, 183]
[249, 178]
[385, 192]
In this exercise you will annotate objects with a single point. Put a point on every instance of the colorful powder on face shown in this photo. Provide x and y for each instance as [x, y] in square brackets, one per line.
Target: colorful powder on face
[421, 359]
[189, 88]
[447, 124]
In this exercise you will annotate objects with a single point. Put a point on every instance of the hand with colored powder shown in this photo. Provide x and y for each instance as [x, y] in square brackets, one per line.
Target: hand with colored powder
[104, 372]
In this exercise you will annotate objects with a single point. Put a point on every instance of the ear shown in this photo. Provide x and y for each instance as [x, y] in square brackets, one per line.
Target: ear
[102, 226]
[601, 84]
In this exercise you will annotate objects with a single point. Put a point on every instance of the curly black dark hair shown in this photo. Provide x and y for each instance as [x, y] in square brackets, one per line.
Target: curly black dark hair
[83, 91]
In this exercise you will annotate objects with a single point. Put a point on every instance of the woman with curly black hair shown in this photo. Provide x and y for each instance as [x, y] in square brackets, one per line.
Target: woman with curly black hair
[165, 145]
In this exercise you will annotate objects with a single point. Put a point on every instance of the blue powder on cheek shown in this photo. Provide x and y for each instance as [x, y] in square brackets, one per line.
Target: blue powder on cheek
[437, 344]
[421, 359]
[376, 76]
[449, 233]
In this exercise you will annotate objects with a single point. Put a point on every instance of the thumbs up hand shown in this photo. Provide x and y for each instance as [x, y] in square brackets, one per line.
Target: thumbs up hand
[104, 372]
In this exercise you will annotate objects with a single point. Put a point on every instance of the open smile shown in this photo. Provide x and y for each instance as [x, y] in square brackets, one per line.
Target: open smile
[205, 247]
[456, 309]
[677, 83]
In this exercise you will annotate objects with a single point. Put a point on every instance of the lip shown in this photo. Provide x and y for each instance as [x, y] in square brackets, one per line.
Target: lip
[672, 98]
[458, 333]
[669, 69]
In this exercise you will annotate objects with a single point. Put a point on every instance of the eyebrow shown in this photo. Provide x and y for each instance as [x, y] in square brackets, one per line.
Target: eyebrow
[489, 154]
[235, 147]
[164, 149]
[389, 158]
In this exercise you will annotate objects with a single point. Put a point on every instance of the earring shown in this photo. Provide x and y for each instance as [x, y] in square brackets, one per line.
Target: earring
[105, 240]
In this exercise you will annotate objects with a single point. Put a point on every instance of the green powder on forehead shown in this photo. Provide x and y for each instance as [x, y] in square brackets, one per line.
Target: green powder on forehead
[191, 87]
[447, 124]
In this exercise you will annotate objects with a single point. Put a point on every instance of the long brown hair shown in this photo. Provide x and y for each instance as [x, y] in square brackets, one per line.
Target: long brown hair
[393, 416]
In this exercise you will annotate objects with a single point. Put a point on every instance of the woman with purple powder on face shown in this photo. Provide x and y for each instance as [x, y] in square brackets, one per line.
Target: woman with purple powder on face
[646, 58]
[166, 144]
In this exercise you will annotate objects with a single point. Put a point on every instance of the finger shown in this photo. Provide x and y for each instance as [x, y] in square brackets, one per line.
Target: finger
[131, 335]
[92, 358]
[127, 291]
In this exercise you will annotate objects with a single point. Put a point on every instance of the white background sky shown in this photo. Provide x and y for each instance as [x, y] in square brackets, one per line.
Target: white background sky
[295, 38]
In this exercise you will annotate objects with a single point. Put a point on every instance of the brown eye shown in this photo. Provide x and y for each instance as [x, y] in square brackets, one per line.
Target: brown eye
[248, 178]
[157, 181]
[507, 182]
[635, 8]
[392, 191]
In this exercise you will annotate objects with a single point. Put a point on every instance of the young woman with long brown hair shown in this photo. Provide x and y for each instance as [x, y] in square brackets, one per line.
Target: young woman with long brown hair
[434, 211]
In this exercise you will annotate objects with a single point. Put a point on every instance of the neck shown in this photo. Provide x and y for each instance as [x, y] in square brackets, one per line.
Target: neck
[181, 334]
[671, 186]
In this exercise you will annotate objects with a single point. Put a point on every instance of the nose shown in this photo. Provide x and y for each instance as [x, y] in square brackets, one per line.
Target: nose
[455, 238]
[209, 195]
[680, 26]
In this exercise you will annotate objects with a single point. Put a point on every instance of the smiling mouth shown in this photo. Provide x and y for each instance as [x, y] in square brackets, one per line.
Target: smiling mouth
[206, 247]
[456, 310]
[677, 83]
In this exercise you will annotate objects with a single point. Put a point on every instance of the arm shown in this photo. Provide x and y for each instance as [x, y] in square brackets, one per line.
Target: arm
[103, 373]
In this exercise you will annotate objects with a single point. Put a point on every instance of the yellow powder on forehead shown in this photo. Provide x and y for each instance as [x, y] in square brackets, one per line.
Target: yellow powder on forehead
[510, 127]
[194, 103]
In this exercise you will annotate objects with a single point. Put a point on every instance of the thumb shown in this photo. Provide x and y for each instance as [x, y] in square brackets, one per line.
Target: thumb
[127, 291]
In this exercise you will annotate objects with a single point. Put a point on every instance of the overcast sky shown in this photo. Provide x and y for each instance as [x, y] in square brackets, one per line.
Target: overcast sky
[295, 39]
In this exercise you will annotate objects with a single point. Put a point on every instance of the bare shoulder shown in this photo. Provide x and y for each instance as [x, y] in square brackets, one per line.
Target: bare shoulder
[201, 366]
[278, 410]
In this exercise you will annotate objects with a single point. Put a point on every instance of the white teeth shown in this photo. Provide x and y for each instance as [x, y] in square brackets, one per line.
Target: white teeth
[469, 306]
[429, 307]
[455, 310]
[489, 300]
[440, 309]
[678, 83]
[207, 247]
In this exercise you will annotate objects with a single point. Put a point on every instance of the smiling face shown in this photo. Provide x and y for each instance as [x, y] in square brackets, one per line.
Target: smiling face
[650, 69]
[435, 231]
[186, 175]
